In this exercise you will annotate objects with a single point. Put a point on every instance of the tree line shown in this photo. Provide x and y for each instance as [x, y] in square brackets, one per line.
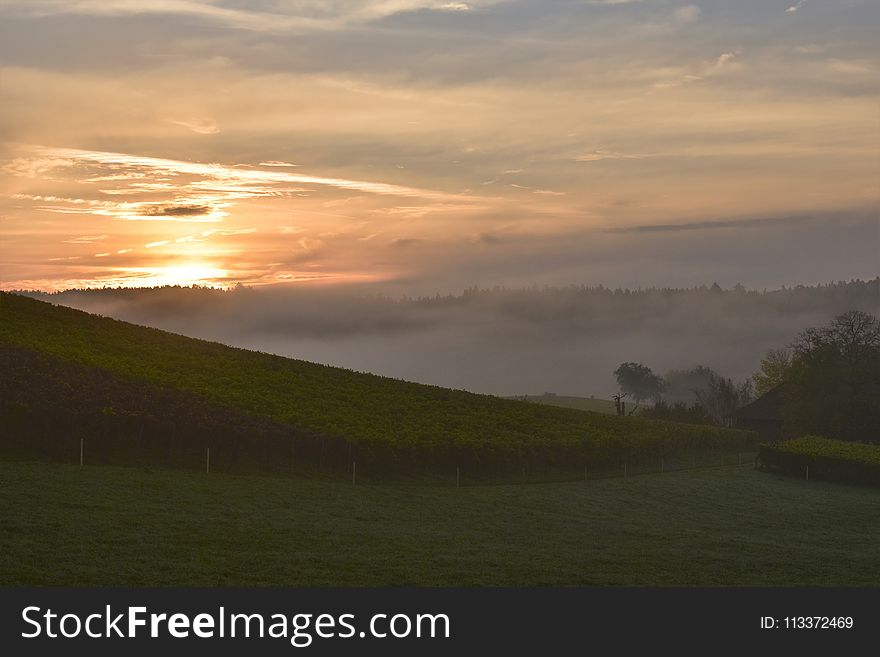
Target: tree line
[829, 378]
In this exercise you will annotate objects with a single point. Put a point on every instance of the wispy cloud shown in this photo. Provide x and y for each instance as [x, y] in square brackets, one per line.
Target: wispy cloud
[213, 213]
[234, 175]
[706, 69]
[86, 239]
[276, 163]
[240, 18]
[53, 199]
[417, 211]
[849, 67]
[199, 126]
[677, 82]
[194, 192]
[112, 177]
[739, 223]
[793, 9]
[175, 210]
[289, 17]
[724, 59]
[600, 154]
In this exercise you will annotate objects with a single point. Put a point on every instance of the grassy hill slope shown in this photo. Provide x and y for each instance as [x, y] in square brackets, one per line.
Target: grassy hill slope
[382, 421]
[580, 403]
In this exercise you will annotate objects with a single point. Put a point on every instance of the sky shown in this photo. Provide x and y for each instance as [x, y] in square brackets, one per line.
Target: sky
[422, 146]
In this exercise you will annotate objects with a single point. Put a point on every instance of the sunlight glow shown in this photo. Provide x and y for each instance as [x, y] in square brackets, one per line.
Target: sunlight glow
[185, 274]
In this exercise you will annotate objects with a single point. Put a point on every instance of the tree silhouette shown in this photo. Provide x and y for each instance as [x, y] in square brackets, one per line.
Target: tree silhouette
[638, 381]
[835, 379]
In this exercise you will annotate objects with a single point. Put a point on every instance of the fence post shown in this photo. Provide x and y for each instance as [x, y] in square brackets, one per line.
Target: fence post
[585, 472]
[81, 452]
[353, 473]
[624, 470]
[457, 476]
[808, 473]
[207, 460]
[740, 458]
[661, 464]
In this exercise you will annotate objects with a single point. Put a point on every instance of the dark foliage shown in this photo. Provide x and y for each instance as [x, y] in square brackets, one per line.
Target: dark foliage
[835, 380]
[677, 412]
[684, 385]
[638, 381]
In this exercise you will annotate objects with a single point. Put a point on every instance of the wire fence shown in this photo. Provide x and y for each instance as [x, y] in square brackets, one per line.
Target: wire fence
[327, 459]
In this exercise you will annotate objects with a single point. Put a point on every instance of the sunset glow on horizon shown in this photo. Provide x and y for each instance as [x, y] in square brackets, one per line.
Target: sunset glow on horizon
[425, 146]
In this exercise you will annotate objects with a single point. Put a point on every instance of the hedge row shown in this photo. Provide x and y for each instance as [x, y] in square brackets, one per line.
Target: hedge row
[833, 460]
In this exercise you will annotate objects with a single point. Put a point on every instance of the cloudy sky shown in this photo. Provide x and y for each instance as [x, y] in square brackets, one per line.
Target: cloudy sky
[427, 145]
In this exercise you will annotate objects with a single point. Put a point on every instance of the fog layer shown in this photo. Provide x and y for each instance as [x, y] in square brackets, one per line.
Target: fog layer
[500, 341]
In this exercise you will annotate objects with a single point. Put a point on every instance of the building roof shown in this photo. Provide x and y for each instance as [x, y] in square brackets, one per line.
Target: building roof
[767, 407]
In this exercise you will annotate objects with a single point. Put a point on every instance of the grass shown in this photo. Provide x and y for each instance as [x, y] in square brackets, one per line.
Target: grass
[579, 403]
[106, 525]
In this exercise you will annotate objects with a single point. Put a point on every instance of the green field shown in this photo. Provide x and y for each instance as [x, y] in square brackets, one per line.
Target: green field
[107, 525]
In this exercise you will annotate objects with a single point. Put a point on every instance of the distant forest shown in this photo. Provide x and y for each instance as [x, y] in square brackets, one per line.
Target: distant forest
[505, 341]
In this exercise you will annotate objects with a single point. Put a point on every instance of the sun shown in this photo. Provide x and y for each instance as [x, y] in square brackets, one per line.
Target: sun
[183, 274]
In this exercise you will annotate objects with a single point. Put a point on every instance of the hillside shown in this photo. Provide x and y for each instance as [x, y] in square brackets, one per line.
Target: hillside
[282, 409]
[579, 403]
